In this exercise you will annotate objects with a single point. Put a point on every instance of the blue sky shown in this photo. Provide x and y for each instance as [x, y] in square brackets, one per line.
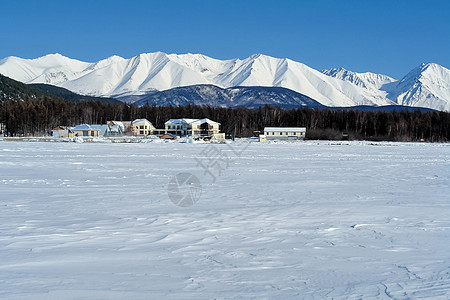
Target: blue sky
[388, 37]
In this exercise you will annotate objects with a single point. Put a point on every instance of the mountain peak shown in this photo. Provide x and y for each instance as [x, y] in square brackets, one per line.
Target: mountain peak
[426, 85]
[255, 56]
[115, 58]
[365, 80]
[160, 71]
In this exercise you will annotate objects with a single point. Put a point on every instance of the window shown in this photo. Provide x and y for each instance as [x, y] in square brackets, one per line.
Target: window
[92, 133]
[273, 133]
[281, 133]
[141, 132]
[141, 127]
[287, 133]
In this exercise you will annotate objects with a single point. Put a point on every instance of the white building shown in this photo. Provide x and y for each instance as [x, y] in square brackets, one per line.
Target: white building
[125, 126]
[107, 130]
[142, 127]
[62, 132]
[285, 133]
[194, 127]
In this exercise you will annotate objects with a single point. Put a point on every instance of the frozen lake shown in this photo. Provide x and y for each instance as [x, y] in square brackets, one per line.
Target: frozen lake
[288, 220]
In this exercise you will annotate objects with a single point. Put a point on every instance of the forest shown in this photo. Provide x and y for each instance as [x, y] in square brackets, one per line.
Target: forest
[38, 116]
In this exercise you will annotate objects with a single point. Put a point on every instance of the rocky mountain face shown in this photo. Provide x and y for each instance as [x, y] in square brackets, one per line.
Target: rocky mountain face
[251, 97]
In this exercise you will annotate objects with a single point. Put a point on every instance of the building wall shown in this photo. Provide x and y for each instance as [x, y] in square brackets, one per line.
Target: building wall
[219, 136]
[197, 130]
[284, 135]
[85, 133]
[143, 129]
[191, 129]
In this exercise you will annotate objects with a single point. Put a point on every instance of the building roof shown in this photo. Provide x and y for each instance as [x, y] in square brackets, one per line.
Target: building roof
[285, 129]
[205, 120]
[189, 121]
[123, 124]
[104, 127]
[61, 128]
[84, 127]
[180, 121]
[141, 121]
[168, 136]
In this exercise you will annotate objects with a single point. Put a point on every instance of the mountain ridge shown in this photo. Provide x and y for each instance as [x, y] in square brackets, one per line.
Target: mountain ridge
[146, 73]
[13, 90]
[427, 85]
[214, 96]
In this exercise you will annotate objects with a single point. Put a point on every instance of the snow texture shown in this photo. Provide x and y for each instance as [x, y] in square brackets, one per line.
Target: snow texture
[301, 220]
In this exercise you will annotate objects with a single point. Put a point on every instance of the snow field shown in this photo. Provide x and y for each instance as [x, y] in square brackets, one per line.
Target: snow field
[284, 220]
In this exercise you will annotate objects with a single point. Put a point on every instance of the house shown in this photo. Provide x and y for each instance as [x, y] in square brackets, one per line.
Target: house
[62, 132]
[168, 136]
[125, 126]
[106, 130]
[194, 127]
[142, 127]
[285, 133]
[85, 130]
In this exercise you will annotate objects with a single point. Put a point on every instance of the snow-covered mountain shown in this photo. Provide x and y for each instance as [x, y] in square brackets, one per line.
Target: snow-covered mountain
[119, 77]
[366, 80]
[425, 86]
[251, 97]
[126, 79]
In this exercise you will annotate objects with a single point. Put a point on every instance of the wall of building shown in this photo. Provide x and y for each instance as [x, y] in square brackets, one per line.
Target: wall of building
[284, 135]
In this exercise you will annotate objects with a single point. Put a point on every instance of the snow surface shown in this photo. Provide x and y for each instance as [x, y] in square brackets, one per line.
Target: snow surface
[298, 220]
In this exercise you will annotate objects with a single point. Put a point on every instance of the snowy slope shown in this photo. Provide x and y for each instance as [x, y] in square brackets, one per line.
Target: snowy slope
[309, 220]
[52, 69]
[366, 80]
[427, 85]
[116, 76]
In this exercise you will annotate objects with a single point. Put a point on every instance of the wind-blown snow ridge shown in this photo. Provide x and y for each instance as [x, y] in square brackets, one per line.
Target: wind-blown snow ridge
[119, 77]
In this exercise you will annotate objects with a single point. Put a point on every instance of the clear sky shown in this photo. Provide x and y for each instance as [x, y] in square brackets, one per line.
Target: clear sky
[389, 37]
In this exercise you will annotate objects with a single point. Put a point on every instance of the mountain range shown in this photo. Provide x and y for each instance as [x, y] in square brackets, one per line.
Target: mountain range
[250, 97]
[12, 90]
[142, 77]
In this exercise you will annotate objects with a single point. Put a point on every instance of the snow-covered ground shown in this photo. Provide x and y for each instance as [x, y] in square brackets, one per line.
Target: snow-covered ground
[283, 220]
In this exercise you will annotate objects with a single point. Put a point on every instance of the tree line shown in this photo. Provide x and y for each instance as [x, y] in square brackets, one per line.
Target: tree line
[38, 116]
